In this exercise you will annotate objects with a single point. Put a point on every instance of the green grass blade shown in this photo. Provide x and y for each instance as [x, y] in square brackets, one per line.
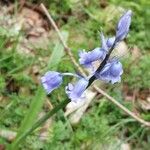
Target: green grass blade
[32, 114]
[58, 53]
[38, 100]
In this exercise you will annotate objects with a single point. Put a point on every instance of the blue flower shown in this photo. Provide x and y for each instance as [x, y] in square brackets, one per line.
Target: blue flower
[111, 72]
[123, 26]
[76, 92]
[86, 58]
[51, 80]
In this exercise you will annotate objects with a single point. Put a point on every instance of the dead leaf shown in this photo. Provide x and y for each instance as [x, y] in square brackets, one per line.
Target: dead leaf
[125, 146]
[7, 134]
[44, 130]
[80, 107]
[145, 104]
[136, 53]
[72, 106]
[121, 50]
[2, 147]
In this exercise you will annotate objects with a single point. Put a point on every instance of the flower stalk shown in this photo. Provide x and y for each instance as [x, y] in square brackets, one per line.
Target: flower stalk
[121, 34]
[61, 105]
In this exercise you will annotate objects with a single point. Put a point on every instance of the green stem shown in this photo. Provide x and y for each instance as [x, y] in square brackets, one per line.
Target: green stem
[58, 107]
[38, 123]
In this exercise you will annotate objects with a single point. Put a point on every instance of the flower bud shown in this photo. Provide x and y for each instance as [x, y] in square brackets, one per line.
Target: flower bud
[123, 26]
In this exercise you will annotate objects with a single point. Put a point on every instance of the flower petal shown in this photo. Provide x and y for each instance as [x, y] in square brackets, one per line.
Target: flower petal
[123, 26]
[111, 72]
[87, 58]
[51, 80]
[77, 92]
[116, 69]
[110, 42]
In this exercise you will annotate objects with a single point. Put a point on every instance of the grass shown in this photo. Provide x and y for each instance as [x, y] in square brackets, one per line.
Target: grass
[103, 126]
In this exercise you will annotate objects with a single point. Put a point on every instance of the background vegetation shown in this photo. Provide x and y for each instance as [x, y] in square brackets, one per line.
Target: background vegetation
[103, 126]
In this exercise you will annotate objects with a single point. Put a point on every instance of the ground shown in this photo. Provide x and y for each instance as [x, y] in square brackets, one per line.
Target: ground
[29, 47]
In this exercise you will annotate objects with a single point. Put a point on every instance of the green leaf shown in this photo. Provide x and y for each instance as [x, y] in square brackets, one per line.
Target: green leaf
[58, 53]
[32, 114]
[38, 100]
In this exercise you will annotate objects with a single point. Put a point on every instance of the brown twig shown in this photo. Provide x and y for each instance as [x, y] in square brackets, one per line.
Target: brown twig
[67, 49]
[123, 108]
[69, 53]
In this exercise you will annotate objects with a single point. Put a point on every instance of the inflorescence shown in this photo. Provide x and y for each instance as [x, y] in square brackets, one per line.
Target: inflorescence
[110, 69]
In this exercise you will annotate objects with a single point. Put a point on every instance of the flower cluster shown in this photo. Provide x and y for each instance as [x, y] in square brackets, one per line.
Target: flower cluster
[110, 71]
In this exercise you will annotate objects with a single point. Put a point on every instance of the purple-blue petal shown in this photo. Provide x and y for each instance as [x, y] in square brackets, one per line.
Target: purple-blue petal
[111, 72]
[116, 69]
[110, 42]
[86, 58]
[75, 92]
[123, 26]
[51, 80]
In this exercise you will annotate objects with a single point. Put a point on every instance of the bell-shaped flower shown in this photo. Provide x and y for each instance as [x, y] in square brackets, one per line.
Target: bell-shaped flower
[86, 58]
[51, 80]
[123, 26]
[111, 72]
[76, 92]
